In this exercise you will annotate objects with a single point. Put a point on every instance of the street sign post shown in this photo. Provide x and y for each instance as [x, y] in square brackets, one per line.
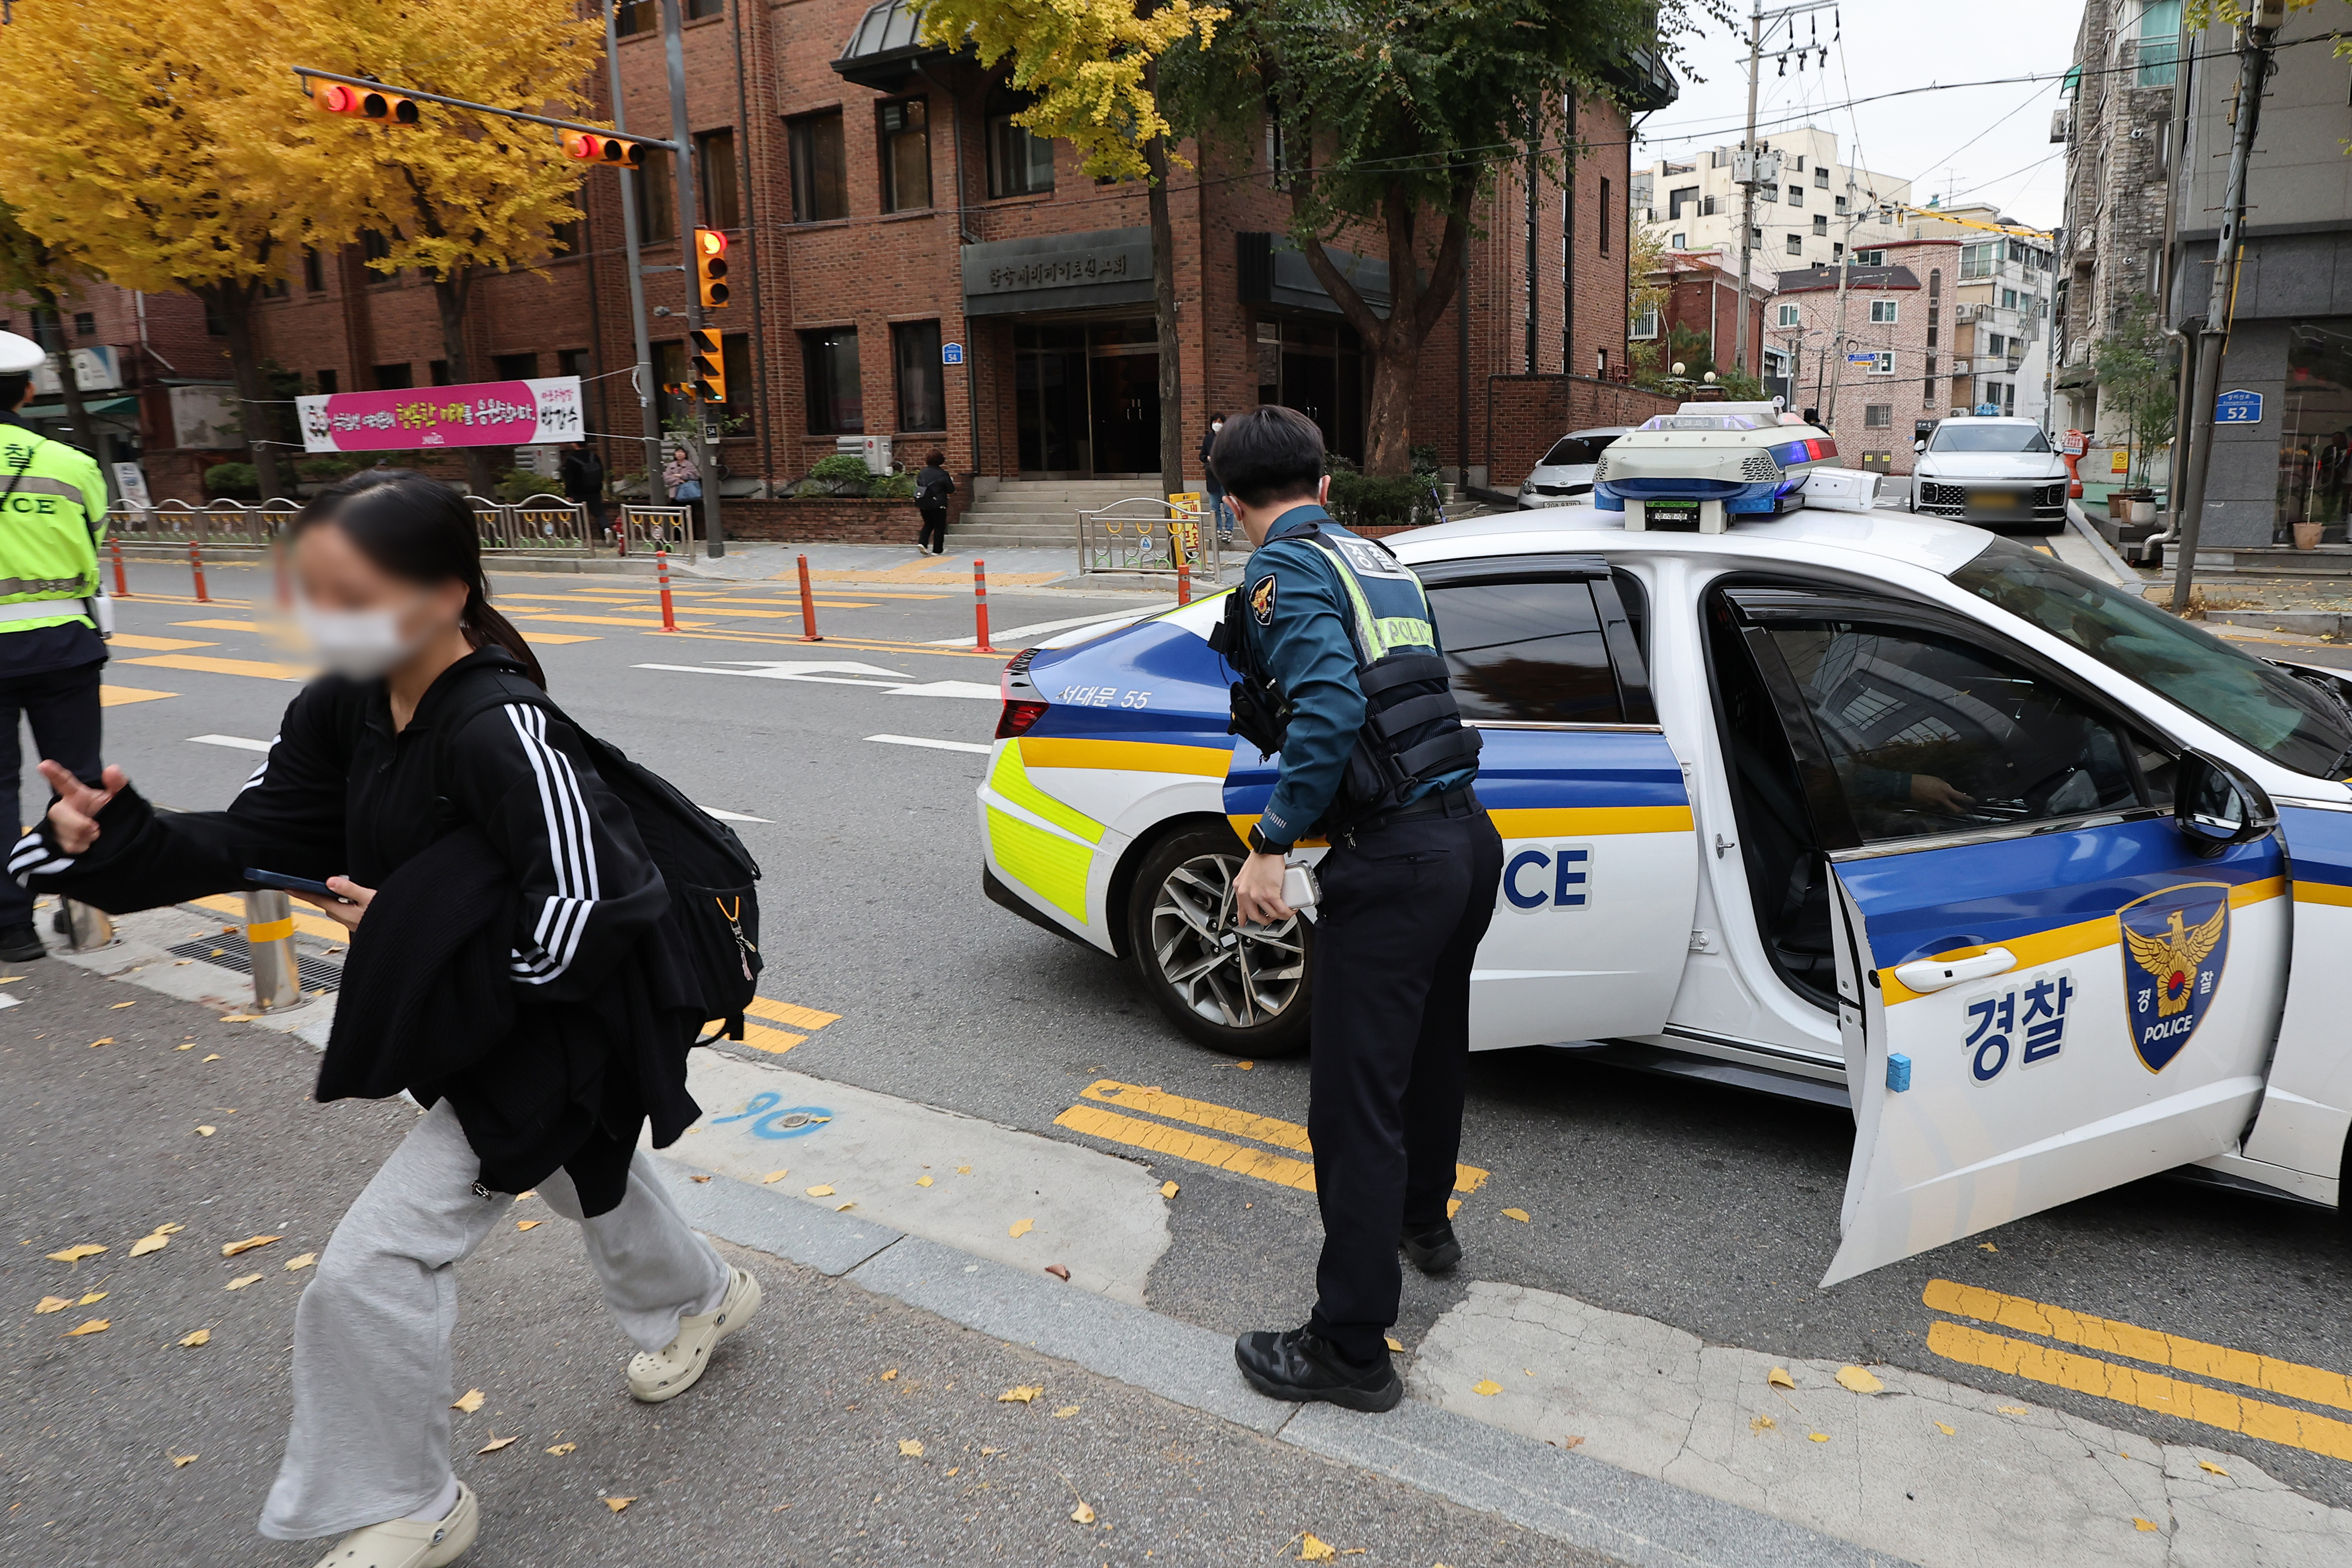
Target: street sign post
[951, 353]
[2238, 407]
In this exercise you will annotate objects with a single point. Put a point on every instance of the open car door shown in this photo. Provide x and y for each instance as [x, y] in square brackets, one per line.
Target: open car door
[2053, 977]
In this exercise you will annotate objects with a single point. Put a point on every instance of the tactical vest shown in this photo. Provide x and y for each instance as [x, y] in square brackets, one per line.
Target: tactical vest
[49, 546]
[1413, 727]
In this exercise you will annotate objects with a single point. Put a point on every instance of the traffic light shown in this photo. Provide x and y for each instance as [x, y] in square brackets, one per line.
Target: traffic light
[709, 363]
[594, 147]
[711, 268]
[363, 102]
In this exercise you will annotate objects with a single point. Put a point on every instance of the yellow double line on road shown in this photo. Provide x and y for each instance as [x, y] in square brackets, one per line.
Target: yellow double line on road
[2148, 1390]
[1220, 1153]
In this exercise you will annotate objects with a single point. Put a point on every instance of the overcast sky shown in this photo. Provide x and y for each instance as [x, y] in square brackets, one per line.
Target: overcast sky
[1986, 144]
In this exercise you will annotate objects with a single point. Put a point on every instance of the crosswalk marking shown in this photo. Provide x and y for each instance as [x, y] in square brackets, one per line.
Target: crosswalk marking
[230, 904]
[776, 1041]
[155, 645]
[933, 745]
[1218, 1152]
[115, 696]
[236, 741]
[221, 625]
[212, 666]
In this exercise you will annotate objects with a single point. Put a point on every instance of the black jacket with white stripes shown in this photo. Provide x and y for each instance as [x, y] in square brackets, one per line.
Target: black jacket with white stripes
[342, 794]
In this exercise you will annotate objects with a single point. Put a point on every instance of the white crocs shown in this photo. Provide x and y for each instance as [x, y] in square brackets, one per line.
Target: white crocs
[666, 1374]
[411, 1543]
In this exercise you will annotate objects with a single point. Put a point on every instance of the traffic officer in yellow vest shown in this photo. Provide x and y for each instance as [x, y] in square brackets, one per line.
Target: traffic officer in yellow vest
[52, 516]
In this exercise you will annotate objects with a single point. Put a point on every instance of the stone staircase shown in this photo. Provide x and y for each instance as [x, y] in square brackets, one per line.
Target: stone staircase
[1034, 514]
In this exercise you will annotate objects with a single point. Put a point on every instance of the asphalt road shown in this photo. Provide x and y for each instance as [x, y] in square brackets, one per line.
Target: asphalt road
[1707, 1208]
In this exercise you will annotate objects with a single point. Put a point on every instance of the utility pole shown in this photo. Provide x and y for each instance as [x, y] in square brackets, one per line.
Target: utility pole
[681, 131]
[641, 380]
[1748, 189]
[2253, 66]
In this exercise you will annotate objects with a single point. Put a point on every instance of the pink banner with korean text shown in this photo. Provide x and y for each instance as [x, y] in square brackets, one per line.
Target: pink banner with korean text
[479, 414]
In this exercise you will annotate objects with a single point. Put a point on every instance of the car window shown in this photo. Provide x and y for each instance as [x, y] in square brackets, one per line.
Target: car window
[1988, 438]
[1929, 735]
[2291, 721]
[1531, 652]
[1571, 450]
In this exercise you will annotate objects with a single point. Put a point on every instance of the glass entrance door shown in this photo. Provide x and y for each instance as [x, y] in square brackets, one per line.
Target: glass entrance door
[1087, 399]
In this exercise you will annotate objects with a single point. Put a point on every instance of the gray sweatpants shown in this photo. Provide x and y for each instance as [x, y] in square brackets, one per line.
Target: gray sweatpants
[371, 1373]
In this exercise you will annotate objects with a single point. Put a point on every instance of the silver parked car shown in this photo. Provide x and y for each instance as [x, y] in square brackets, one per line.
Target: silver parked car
[1992, 472]
[1565, 475]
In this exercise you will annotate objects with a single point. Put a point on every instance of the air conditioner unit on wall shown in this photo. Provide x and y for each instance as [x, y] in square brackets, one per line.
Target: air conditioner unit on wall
[2057, 125]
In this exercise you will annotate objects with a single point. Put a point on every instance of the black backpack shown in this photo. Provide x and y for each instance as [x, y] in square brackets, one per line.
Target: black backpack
[714, 906]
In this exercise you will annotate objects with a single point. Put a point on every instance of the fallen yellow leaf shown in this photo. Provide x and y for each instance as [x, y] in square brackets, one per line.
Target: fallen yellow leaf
[77, 1252]
[232, 1249]
[525, 1196]
[1762, 1424]
[207, 1132]
[52, 1304]
[1310, 1549]
[524, 1225]
[911, 1448]
[843, 1207]
[92, 1296]
[2143, 1524]
[1487, 1387]
[704, 1179]
[923, 1181]
[1519, 1214]
[891, 1375]
[1066, 1412]
[963, 1170]
[96, 1043]
[180, 1460]
[241, 1281]
[213, 1057]
[301, 1260]
[169, 1229]
[494, 1444]
[2210, 1468]
[772, 1177]
[1083, 1514]
[955, 1469]
[2015, 1410]
[1819, 1437]
[1244, 1066]
[470, 1401]
[236, 1018]
[192, 1044]
[1394, 1343]
[1169, 1190]
[1858, 1380]
[95, 1325]
[822, 1189]
[120, 1006]
[1946, 1429]
[1779, 1378]
[1021, 1396]
[1022, 1227]
[1987, 1247]
[563, 1449]
[617, 1503]
[202, 1336]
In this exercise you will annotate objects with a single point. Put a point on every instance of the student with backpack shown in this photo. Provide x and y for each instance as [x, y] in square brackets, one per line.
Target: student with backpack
[540, 929]
[933, 485]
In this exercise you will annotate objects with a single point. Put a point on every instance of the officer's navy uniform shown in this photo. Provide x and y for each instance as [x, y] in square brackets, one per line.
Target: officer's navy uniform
[1336, 634]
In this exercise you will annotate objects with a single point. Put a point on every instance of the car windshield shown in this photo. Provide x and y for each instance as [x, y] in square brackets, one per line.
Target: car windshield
[1989, 438]
[2289, 720]
[1703, 422]
[1572, 451]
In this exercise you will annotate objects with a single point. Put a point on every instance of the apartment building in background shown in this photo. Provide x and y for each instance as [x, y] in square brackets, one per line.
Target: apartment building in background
[1877, 361]
[2000, 309]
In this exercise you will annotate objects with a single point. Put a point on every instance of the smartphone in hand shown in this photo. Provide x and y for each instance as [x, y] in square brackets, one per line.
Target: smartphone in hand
[294, 884]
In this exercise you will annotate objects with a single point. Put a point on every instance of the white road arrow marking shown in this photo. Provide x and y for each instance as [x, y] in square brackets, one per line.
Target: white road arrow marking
[730, 816]
[926, 741]
[894, 685]
[238, 742]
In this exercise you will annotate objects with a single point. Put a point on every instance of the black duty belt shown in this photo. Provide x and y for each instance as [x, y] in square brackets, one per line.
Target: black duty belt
[1462, 802]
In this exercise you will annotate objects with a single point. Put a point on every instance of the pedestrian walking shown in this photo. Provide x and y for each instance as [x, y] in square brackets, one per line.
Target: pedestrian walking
[1342, 674]
[933, 485]
[681, 475]
[1224, 519]
[582, 472]
[510, 967]
[52, 521]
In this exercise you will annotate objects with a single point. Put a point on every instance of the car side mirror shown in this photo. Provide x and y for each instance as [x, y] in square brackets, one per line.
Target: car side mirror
[2214, 807]
[1918, 446]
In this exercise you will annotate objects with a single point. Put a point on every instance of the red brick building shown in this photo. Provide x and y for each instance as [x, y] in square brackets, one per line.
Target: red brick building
[1895, 370]
[1703, 300]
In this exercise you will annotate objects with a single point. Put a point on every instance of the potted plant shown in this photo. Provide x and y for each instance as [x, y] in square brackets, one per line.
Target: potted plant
[2306, 534]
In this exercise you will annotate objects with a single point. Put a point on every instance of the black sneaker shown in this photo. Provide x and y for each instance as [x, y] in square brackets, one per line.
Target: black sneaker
[1299, 1364]
[1433, 1251]
[22, 943]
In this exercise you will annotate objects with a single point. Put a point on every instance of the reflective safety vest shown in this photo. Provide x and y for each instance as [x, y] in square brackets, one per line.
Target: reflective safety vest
[52, 516]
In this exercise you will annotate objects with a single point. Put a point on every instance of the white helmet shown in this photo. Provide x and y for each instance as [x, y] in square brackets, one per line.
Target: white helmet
[20, 356]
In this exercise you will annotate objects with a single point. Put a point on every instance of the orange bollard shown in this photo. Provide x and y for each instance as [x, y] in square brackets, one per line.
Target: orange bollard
[121, 583]
[1183, 582]
[808, 607]
[980, 603]
[661, 568]
[196, 565]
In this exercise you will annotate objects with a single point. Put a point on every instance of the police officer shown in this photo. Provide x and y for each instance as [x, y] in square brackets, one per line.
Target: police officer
[52, 514]
[1343, 675]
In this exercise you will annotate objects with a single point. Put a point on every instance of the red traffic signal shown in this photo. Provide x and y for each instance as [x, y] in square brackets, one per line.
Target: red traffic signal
[595, 147]
[335, 98]
[711, 268]
[363, 102]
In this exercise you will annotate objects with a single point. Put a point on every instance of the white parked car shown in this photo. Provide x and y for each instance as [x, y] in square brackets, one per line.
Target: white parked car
[2053, 888]
[1993, 472]
[1566, 472]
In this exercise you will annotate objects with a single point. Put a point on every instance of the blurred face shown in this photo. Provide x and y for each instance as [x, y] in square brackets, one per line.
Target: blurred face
[363, 620]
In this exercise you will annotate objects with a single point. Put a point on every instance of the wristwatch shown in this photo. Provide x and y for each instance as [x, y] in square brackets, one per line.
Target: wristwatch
[1260, 844]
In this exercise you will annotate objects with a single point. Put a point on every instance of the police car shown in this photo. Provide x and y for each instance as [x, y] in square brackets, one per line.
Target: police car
[2053, 889]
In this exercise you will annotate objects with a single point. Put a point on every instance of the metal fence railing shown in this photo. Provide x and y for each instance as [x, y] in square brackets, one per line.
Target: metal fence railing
[1144, 533]
[540, 525]
[178, 523]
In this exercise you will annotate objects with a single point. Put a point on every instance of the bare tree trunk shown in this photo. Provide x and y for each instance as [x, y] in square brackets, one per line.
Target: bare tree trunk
[50, 321]
[232, 303]
[450, 296]
[1163, 308]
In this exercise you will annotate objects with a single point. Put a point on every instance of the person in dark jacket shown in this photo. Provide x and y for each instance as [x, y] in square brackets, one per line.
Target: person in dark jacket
[1223, 516]
[933, 485]
[477, 857]
[582, 472]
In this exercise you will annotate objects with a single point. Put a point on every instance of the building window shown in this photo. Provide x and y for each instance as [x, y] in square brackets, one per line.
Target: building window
[1796, 196]
[1706, 206]
[1837, 251]
[1883, 362]
[1787, 314]
[515, 367]
[1755, 235]
[1927, 385]
[1796, 244]
[85, 324]
[1870, 259]
[717, 199]
[564, 238]
[1603, 223]
[1768, 192]
[656, 200]
[1820, 226]
[374, 246]
[634, 16]
[1878, 416]
[1980, 259]
[1676, 198]
[1020, 164]
[314, 271]
[2008, 296]
[1821, 175]
[669, 370]
[571, 363]
[1679, 242]
[1936, 284]
[2159, 43]
[393, 378]
[836, 404]
[440, 371]
[1882, 310]
[820, 173]
[915, 362]
[1841, 203]
[1645, 325]
[906, 155]
[329, 382]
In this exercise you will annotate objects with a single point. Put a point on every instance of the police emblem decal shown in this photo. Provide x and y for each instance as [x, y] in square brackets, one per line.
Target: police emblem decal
[1261, 600]
[2175, 943]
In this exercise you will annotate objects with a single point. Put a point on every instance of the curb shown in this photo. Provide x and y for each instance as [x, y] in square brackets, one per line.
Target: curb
[2118, 568]
[1565, 1495]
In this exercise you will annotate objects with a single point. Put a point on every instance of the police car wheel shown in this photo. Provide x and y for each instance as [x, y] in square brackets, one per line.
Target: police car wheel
[1234, 988]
